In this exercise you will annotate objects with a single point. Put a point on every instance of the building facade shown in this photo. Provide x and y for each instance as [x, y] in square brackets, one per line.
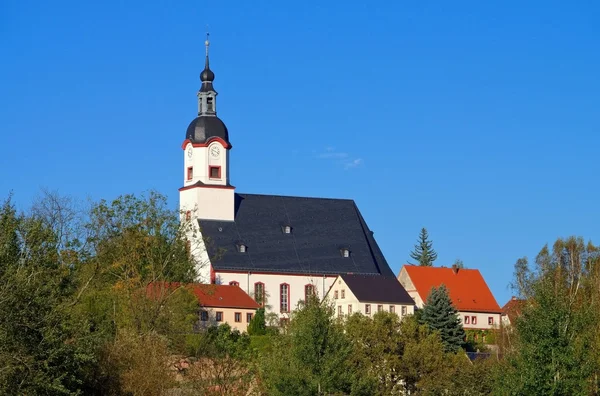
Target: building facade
[367, 294]
[470, 294]
[276, 248]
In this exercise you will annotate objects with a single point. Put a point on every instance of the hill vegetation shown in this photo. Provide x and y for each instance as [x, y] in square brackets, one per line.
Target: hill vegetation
[76, 318]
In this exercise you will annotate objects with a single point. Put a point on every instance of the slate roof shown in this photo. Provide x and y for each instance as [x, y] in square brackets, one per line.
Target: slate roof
[467, 288]
[321, 227]
[385, 289]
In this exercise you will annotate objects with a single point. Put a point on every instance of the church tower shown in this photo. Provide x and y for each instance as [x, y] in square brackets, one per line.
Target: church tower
[206, 193]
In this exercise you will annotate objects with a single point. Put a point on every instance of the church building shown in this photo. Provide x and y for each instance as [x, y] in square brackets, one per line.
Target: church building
[278, 249]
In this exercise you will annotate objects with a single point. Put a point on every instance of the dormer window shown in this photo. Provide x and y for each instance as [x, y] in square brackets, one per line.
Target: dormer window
[242, 248]
[287, 229]
[345, 252]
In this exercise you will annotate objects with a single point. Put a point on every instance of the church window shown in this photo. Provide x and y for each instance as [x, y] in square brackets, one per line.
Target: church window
[284, 292]
[234, 283]
[259, 292]
[214, 172]
[209, 104]
[190, 173]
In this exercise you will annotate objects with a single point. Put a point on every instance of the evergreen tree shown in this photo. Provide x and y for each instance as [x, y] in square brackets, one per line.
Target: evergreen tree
[423, 252]
[257, 325]
[440, 315]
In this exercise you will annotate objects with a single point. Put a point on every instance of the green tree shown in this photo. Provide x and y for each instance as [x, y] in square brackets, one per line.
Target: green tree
[423, 252]
[41, 352]
[440, 315]
[554, 346]
[312, 358]
[258, 325]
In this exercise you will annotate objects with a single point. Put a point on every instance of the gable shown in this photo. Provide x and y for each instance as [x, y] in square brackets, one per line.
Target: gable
[320, 228]
[467, 288]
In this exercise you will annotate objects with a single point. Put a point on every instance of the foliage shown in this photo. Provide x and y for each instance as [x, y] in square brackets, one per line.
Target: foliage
[554, 343]
[40, 353]
[257, 325]
[222, 363]
[312, 357]
[423, 252]
[440, 315]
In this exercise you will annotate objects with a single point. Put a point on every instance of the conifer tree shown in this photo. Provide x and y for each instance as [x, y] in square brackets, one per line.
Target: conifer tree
[423, 252]
[440, 315]
[257, 325]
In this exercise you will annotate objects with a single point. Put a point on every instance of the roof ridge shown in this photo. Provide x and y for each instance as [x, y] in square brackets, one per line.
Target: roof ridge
[296, 196]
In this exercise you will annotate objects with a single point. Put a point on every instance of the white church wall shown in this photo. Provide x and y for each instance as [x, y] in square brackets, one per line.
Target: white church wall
[272, 283]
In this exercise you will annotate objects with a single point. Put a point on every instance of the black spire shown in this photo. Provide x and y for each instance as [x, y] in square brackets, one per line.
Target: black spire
[207, 76]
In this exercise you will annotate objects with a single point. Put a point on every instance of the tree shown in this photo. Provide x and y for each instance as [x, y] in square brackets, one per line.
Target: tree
[555, 345]
[423, 252]
[312, 358]
[41, 352]
[258, 325]
[440, 315]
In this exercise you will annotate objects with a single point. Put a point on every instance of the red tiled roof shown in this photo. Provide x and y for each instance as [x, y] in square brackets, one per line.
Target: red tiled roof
[467, 288]
[513, 308]
[211, 295]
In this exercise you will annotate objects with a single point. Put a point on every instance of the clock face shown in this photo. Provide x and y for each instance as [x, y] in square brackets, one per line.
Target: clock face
[190, 152]
[215, 151]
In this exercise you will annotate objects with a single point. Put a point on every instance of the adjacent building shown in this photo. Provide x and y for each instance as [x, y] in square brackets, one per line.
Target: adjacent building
[368, 294]
[276, 248]
[218, 303]
[224, 304]
[468, 291]
[511, 310]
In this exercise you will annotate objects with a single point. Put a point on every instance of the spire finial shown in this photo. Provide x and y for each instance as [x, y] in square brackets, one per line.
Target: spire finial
[207, 42]
[207, 75]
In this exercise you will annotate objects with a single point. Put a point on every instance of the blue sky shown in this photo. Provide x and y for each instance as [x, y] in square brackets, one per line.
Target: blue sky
[479, 121]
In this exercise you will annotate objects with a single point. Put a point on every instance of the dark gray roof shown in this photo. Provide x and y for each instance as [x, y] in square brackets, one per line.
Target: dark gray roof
[384, 289]
[320, 229]
[202, 128]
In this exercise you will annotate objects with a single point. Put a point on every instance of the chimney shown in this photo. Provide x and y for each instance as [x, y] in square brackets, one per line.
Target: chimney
[455, 268]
